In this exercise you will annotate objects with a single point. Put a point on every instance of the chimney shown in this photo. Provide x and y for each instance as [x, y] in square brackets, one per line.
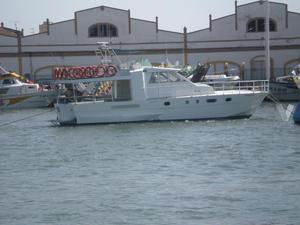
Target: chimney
[156, 22]
[43, 27]
[210, 23]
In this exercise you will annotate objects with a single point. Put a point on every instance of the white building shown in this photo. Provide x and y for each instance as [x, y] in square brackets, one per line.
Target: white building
[234, 41]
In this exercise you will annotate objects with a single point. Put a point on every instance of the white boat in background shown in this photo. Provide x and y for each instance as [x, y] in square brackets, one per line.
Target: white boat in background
[287, 88]
[220, 78]
[108, 94]
[199, 74]
[15, 93]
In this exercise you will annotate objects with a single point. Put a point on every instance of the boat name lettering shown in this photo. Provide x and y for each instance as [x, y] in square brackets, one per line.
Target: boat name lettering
[83, 72]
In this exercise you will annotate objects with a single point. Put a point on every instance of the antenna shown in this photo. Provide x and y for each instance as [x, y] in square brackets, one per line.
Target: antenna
[15, 22]
[32, 30]
[106, 53]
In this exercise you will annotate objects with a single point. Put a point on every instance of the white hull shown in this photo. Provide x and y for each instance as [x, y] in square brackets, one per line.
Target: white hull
[35, 100]
[220, 106]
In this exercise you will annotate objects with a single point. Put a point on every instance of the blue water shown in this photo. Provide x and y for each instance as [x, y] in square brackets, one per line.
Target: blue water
[189, 172]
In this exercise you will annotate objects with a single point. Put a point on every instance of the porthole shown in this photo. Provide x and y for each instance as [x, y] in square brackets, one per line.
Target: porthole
[228, 99]
[167, 103]
[211, 100]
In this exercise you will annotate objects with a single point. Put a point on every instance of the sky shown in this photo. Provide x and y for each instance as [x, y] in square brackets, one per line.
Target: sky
[172, 15]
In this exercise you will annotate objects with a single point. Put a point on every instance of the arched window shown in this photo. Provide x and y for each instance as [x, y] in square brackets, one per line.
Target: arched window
[103, 30]
[258, 25]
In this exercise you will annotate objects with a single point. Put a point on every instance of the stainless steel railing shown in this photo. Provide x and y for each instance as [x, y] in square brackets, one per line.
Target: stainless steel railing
[251, 85]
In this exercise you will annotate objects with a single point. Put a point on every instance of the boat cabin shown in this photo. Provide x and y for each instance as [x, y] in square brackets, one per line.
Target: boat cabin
[11, 85]
[124, 85]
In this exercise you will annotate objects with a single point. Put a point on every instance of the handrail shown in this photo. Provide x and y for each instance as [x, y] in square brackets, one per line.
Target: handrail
[252, 85]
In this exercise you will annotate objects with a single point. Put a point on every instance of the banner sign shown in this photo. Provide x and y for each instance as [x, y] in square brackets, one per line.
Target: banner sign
[84, 72]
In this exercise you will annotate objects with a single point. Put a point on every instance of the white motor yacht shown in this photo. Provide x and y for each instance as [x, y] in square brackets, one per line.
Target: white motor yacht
[105, 93]
[154, 94]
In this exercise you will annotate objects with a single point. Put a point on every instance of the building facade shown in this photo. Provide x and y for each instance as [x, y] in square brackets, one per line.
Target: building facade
[235, 41]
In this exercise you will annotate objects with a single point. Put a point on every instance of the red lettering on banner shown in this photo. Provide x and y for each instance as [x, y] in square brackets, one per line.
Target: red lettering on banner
[101, 71]
[111, 70]
[57, 73]
[83, 72]
[88, 72]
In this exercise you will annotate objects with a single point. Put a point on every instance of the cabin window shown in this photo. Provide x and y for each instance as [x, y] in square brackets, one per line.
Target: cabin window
[228, 99]
[103, 30]
[154, 78]
[8, 81]
[211, 100]
[121, 90]
[258, 25]
[164, 77]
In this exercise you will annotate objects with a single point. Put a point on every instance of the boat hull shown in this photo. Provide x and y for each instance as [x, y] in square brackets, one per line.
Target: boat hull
[35, 100]
[161, 109]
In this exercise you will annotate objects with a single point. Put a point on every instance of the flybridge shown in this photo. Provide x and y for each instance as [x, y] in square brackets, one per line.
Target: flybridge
[84, 72]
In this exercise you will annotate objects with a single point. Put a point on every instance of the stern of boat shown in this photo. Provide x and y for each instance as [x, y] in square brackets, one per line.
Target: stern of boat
[65, 114]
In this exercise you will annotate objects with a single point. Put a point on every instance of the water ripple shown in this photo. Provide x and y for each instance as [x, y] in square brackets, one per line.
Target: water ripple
[184, 172]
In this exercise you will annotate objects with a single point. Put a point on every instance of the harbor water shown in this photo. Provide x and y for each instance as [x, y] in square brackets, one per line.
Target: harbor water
[244, 172]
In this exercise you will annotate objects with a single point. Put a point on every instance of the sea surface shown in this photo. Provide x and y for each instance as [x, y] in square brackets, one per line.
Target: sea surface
[231, 172]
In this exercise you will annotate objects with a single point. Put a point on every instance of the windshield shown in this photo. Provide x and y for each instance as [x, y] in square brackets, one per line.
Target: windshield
[3, 71]
[165, 77]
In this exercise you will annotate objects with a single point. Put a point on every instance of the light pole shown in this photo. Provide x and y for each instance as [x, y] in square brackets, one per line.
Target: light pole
[267, 38]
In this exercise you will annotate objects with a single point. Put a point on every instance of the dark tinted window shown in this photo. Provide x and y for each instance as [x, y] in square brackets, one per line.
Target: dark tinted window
[251, 26]
[8, 81]
[103, 30]
[211, 100]
[258, 25]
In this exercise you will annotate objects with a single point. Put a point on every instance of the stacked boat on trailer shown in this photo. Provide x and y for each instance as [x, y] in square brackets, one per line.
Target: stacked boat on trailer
[17, 93]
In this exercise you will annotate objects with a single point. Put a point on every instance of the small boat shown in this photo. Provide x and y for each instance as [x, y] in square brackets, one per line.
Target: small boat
[199, 74]
[105, 93]
[17, 93]
[287, 88]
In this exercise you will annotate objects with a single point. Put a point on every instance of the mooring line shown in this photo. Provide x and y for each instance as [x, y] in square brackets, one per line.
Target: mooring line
[25, 118]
